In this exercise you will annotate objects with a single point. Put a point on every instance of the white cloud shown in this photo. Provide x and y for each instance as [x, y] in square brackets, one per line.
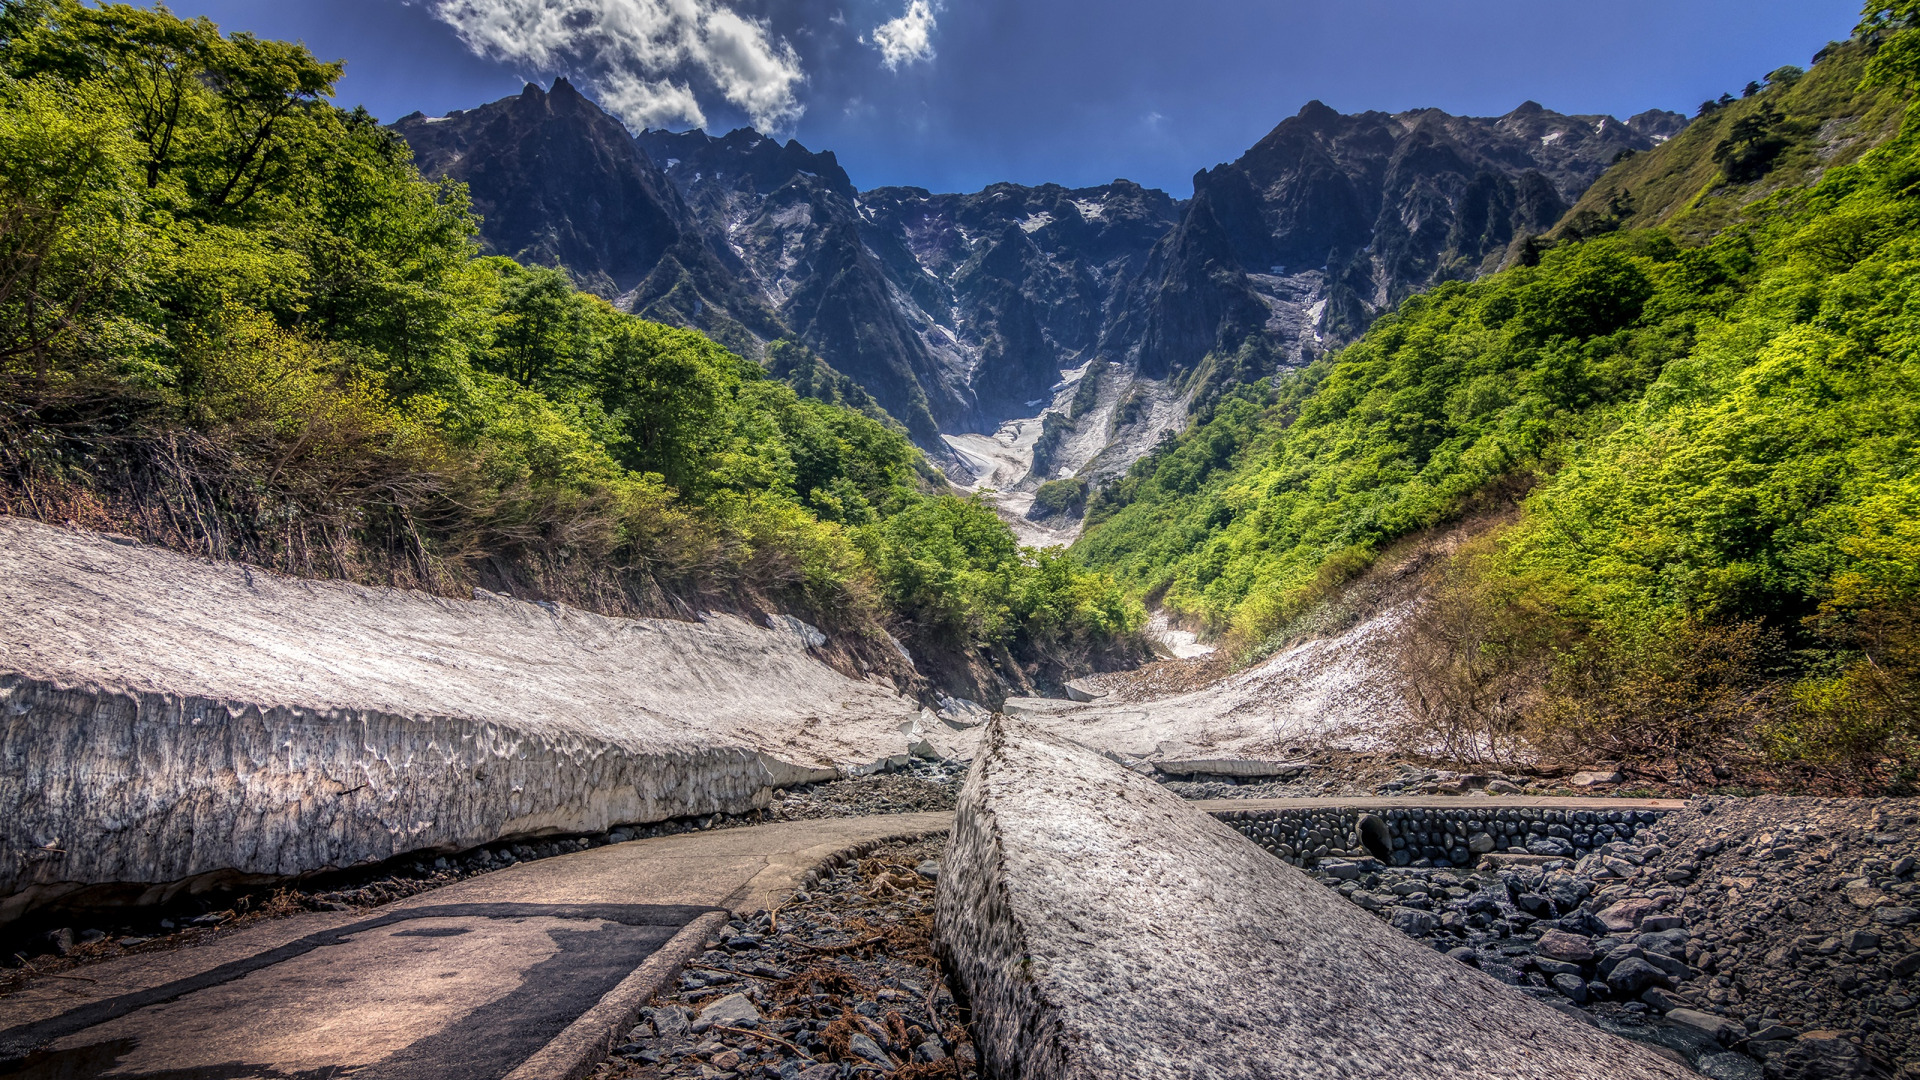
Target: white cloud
[638, 56]
[907, 39]
[648, 103]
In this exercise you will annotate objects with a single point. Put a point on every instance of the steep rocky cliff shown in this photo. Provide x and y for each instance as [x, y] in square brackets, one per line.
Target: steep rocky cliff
[558, 182]
[1332, 219]
[1027, 334]
[1027, 277]
[957, 312]
[791, 221]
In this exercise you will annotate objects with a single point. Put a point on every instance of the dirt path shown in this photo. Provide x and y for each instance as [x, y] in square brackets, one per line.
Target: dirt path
[524, 973]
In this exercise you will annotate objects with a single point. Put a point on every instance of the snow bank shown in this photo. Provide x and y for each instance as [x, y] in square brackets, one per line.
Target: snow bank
[166, 720]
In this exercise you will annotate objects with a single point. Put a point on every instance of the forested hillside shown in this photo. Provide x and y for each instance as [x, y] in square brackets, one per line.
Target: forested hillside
[235, 320]
[1712, 434]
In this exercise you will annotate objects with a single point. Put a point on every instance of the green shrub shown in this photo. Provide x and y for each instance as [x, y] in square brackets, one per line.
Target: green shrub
[1057, 497]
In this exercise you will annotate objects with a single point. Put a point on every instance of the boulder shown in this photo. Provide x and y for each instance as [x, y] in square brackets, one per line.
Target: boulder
[1566, 948]
[1819, 1055]
[865, 1048]
[733, 1010]
[1664, 1001]
[1719, 1027]
[1412, 921]
[1534, 904]
[1627, 914]
[1631, 976]
[1104, 928]
[1596, 777]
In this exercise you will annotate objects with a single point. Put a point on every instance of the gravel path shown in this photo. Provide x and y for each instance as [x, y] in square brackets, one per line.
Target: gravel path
[840, 982]
[926, 786]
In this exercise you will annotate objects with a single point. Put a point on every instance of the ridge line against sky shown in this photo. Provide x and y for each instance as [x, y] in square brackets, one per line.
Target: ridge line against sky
[952, 95]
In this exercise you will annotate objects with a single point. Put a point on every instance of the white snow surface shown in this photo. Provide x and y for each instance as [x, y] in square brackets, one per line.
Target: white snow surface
[1183, 644]
[165, 717]
[1334, 690]
[83, 609]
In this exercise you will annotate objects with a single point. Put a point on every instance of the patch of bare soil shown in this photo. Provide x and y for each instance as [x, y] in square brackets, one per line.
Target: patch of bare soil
[1162, 678]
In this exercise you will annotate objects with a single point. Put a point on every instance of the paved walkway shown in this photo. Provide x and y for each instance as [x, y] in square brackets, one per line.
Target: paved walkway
[519, 973]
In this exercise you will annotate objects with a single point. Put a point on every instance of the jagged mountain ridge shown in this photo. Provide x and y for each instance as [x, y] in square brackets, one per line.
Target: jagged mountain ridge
[558, 182]
[969, 317]
[1028, 277]
[790, 220]
[1332, 219]
[985, 299]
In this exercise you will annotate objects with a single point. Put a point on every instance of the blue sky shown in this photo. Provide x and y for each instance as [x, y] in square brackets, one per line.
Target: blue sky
[955, 94]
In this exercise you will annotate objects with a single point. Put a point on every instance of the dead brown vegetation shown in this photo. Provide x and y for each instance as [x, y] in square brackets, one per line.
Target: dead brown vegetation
[292, 465]
[1492, 673]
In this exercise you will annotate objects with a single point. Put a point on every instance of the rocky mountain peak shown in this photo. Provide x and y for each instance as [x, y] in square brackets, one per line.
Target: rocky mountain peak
[557, 181]
[743, 155]
[1026, 333]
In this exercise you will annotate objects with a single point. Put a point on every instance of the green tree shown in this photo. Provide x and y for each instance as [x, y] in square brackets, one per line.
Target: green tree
[1895, 25]
[152, 63]
[542, 337]
[269, 96]
[1752, 145]
[68, 231]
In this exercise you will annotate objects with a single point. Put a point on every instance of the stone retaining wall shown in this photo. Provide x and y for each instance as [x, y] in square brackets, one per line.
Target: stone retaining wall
[1433, 837]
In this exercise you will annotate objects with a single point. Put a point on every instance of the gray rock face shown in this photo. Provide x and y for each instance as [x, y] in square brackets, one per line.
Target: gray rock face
[1104, 928]
[165, 719]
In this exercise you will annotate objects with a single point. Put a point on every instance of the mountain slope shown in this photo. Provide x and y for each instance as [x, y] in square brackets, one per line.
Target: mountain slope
[1288, 476]
[984, 299]
[1806, 122]
[789, 219]
[1028, 277]
[1697, 454]
[558, 182]
[1331, 220]
[1029, 334]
